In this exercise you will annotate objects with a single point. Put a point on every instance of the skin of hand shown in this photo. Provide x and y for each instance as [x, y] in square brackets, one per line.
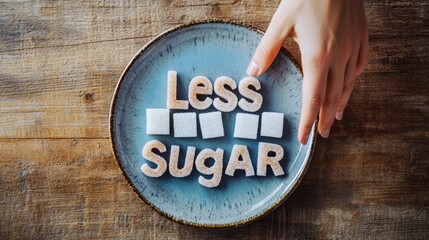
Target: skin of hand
[333, 39]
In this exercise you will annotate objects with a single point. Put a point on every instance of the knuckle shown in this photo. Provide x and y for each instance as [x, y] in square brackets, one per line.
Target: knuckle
[321, 57]
[316, 101]
[318, 56]
[333, 100]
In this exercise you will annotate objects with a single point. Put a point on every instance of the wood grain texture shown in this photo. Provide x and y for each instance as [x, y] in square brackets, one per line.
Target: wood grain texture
[60, 62]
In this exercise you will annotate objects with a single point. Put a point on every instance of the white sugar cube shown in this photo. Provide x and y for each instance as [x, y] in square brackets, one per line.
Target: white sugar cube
[185, 124]
[211, 125]
[246, 126]
[157, 121]
[272, 124]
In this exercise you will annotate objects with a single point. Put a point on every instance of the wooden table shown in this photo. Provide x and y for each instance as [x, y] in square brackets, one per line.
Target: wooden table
[61, 60]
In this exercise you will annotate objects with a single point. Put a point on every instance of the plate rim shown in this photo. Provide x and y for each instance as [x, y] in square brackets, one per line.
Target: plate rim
[245, 221]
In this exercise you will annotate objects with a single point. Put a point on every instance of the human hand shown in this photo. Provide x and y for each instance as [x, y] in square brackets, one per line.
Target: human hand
[333, 39]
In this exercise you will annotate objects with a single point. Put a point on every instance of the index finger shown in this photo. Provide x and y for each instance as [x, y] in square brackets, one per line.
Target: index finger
[280, 26]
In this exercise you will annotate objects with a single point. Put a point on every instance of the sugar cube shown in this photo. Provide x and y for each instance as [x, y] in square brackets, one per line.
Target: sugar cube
[157, 121]
[185, 124]
[246, 126]
[211, 125]
[272, 124]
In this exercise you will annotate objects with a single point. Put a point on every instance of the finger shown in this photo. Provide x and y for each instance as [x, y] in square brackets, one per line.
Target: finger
[363, 57]
[354, 68]
[349, 83]
[279, 28]
[333, 93]
[313, 94]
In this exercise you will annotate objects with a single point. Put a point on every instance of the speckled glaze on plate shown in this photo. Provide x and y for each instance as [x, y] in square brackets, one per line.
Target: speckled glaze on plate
[212, 49]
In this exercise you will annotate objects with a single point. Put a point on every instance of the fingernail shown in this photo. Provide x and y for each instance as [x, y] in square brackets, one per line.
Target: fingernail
[339, 115]
[305, 139]
[253, 69]
[325, 134]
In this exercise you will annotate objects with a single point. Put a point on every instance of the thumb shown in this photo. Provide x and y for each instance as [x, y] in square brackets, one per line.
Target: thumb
[280, 26]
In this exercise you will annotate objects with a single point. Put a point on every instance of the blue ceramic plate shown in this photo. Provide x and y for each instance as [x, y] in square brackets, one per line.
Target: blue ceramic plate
[210, 49]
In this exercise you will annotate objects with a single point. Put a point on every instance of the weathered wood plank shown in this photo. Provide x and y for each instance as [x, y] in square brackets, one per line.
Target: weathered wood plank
[387, 19]
[59, 93]
[36, 24]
